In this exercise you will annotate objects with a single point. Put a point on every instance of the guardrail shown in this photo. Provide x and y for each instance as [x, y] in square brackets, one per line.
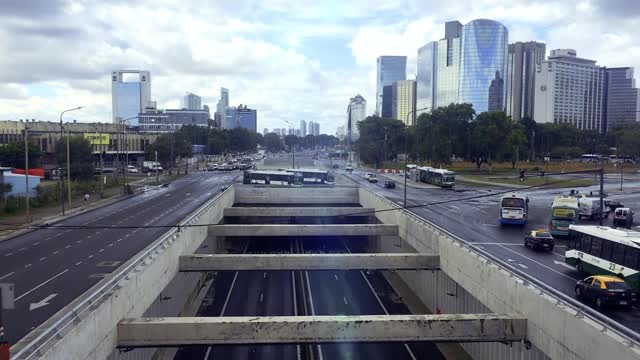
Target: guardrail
[608, 324]
[78, 307]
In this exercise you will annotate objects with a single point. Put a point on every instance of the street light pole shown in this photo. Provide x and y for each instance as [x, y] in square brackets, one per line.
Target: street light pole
[406, 150]
[61, 168]
[68, 169]
[26, 172]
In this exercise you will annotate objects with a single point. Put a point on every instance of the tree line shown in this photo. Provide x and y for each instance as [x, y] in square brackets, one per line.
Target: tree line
[457, 132]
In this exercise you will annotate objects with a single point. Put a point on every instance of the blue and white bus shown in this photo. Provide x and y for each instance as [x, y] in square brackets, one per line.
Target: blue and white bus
[514, 209]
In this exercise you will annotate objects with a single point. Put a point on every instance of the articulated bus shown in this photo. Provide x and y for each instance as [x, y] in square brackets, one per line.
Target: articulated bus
[267, 177]
[438, 177]
[313, 175]
[514, 209]
[602, 250]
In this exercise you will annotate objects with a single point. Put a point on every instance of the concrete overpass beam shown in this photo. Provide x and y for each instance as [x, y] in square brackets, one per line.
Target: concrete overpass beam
[297, 211]
[238, 262]
[319, 329]
[304, 230]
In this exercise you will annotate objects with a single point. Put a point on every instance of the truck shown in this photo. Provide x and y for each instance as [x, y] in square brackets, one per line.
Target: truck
[151, 166]
[590, 207]
[564, 212]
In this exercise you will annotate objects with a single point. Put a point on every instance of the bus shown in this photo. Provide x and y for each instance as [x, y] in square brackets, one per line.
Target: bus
[602, 250]
[438, 177]
[267, 177]
[314, 175]
[514, 209]
[564, 212]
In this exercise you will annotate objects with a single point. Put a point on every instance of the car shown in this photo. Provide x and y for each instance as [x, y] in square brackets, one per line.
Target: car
[212, 167]
[606, 290]
[335, 166]
[132, 169]
[389, 184]
[539, 239]
[349, 168]
[373, 178]
[367, 175]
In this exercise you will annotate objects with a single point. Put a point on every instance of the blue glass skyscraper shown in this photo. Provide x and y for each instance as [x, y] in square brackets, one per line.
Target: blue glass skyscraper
[483, 65]
[389, 70]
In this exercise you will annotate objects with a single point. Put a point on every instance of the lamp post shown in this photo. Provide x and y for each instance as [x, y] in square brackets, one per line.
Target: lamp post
[124, 147]
[26, 172]
[68, 165]
[406, 150]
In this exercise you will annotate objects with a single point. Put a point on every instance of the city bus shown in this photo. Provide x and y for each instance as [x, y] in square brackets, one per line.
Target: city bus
[602, 250]
[438, 177]
[514, 209]
[564, 212]
[267, 177]
[314, 175]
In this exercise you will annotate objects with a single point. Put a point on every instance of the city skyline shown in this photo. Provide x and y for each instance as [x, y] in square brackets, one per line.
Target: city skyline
[332, 47]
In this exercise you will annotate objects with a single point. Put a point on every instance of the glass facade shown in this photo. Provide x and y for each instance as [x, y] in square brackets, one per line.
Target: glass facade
[128, 98]
[426, 77]
[483, 62]
[404, 101]
[241, 118]
[448, 72]
[622, 97]
[389, 70]
[387, 102]
[522, 61]
[356, 112]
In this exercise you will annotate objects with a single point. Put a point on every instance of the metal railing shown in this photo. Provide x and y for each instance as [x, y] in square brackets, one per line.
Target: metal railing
[632, 336]
[73, 312]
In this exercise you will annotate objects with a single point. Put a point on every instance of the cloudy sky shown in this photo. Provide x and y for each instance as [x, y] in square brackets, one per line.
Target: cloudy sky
[288, 59]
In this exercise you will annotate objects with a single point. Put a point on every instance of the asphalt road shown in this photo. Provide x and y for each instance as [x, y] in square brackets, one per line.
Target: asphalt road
[476, 221]
[52, 267]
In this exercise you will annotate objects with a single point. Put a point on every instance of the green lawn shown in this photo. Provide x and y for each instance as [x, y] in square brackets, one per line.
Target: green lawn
[552, 182]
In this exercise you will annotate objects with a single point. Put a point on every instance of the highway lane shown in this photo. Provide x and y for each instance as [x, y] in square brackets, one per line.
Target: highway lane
[477, 222]
[51, 267]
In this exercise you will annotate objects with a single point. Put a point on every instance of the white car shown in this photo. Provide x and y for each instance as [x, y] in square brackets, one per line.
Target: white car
[368, 175]
[349, 167]
[132, 169]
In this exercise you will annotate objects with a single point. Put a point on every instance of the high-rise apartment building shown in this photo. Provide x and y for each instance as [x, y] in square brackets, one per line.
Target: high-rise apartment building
[130, 94]
[389, 70]
[265, 131]
[192, 102]
[623, 98]
[356, 112]
[221, 108]
[483, 64]
[522, 61]
[426, 77]
[387, 102]
[314, 128]
[241, 117]
[570, 90]
[303, 128]
[404, 101]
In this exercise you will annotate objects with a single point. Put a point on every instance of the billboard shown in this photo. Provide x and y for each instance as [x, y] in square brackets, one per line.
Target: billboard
[97, 139]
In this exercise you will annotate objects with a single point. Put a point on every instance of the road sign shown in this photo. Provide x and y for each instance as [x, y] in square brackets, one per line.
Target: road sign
[6, 292]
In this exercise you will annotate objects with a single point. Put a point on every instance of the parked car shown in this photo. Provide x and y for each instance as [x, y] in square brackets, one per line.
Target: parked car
[605, 290]
[132, 169]
[367, 175]
[539, 239]
[349, 168]
[373, 178]
[389, 184]
[212, 167]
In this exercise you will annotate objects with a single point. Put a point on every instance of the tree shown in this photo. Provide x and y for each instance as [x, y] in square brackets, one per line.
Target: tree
[495, 136]
[80, 154]
[170, 147]
[380, 139]
[272, 142]
[12, 155]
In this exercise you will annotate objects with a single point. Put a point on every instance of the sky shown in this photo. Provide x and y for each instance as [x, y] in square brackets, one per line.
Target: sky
[289, 59]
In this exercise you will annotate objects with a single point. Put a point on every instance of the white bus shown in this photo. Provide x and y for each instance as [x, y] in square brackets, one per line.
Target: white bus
[438, 177]
[514, 209]
[602, 250]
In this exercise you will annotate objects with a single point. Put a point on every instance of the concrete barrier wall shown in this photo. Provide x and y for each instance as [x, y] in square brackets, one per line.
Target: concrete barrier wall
[94, 336]
[250, 194]
[470, 283]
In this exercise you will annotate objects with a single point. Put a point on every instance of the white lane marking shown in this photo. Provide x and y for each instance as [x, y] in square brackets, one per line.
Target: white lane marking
[264, 275]
[523, 266]
[41, 303]
[101, 250]
[78, 242]
[345, 300]
[539, 263]
[313, 311]
[26, 266]
[89, 236]
[89, 257]
[78, 263]
[55, 252]
[8, 254]
[24, 248]
[455, 207]
[32, 290]
[261, 296]
[42, 258]
[68, 246]
[48, 238]
[110, 245]
[6, 276]
[36, 243]
[563, 264]
[335, 276]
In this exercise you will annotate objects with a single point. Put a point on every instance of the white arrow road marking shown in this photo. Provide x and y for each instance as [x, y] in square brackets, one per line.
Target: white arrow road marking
[510, 260]
[523, 266]
[42, 302]
[563, 264]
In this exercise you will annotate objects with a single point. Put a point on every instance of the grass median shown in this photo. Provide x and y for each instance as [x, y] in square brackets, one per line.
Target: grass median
[551, 182]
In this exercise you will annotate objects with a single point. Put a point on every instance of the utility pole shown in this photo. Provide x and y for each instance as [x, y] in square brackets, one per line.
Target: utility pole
[601, 194]
[156, 166]
[60, 167]
[621, 174]
[26, 172]
[406, 155]
[68, 169]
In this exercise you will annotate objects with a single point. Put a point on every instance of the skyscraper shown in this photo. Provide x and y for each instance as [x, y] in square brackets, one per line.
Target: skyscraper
[303, 128]
[448, 65]
[522, 61]
[483, 62]
[221, 108]
[130, 94]
[389, 70]
[623, 98]
[316, 129]
[404, 101]
[356, 112]
[192, 102]
[241, 117]
[426, 77]
[570, 90]
[265, 131]
[387, 102]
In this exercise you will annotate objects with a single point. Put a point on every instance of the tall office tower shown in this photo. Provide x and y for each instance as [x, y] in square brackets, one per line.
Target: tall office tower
[356, 112]
[426, 77]
[310, 128]
[241, 117]
[192, 101]
[623, 98]
[303, 128]
[447, 58]
[221, 108]
[130, 94]
[483, 63]
[389, 70]
[316, 129]
[570, 90]
[522, 61]
[404, 101]
[341, 132]
[265, 131]
[387, 102]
